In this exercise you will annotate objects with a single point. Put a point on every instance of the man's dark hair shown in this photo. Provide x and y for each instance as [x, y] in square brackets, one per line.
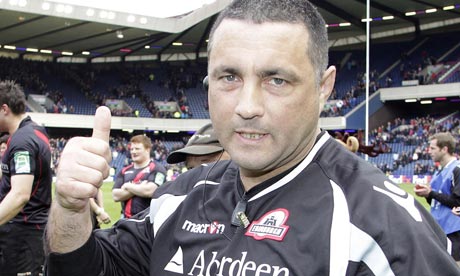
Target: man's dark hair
[444, 139]
[4, 137]
[289, 11]
[12, 95]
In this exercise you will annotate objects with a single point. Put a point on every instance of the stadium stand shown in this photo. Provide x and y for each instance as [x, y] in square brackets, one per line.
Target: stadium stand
[80, 88]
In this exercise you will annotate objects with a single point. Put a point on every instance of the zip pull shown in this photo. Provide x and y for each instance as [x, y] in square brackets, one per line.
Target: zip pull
[243, 219]
[238, 216]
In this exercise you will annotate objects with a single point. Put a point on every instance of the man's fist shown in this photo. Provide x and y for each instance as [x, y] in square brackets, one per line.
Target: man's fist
[84, 164]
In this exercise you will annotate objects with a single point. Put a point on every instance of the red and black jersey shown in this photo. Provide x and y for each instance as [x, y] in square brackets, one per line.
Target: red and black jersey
[153, 172]
[332, 214]
[28, 152]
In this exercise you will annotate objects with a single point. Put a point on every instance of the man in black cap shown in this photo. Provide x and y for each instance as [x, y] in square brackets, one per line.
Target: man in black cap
[203, 147]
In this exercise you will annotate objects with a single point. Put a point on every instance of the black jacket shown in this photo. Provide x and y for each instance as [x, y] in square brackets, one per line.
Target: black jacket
[333, 214]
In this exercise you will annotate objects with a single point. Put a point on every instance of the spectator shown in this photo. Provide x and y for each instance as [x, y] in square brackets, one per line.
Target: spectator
[203, 147]
[99, 213]
[3, 144]
[135, 184]
[443, 193]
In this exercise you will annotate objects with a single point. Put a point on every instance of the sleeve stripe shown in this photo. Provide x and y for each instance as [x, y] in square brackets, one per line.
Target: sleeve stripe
[340, 233]
[366, 249]
[349, 243]
[163, 207]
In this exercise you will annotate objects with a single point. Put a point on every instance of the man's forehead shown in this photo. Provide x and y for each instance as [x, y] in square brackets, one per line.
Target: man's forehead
[231, 25]
[137, 145]
[233, 36]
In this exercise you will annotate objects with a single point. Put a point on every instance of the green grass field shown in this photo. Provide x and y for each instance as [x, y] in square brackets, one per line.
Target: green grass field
[111, 207]
[114, 208]
[409, 188]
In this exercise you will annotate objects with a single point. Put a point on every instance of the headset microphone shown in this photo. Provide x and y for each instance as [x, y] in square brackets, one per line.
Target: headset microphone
[206, 83]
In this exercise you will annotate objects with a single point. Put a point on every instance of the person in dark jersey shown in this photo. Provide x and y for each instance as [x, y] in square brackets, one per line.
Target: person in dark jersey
[3, 145]
[25, 187]
[134, 185]
[291, 201]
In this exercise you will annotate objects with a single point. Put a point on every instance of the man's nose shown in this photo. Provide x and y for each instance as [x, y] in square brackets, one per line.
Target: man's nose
[251, 101]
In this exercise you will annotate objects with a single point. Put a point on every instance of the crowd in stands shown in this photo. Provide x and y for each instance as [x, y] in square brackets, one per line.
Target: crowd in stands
[59, 100]
[422, 71]
[414, 133]
[124, 82]
[25, 72]
[120, 81]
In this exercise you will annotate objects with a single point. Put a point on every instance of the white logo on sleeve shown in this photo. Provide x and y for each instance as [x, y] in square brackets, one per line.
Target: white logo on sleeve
[22, 162]
[159, 179]
[402, 198]
[176, 264]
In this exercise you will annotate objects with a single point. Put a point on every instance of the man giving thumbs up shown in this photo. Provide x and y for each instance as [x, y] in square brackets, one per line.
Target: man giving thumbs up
[84, 164]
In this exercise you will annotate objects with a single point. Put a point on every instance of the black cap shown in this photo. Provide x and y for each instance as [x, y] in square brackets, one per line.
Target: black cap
[203, 142]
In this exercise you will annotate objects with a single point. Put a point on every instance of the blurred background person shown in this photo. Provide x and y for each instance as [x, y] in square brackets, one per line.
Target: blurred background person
[3, 145]
[99, 213]
[443, 193]
[202, 148]
[134, 185]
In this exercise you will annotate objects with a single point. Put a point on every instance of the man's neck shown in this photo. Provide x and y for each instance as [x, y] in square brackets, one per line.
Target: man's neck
[251, 179]
[15, 122]
[447, 160]
[141, 165]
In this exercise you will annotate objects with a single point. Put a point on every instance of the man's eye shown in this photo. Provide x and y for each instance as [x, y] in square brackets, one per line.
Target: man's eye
[277, 81]
[230, 78]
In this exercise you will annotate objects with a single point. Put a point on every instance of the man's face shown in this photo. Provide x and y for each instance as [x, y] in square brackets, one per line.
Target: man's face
[3, 111]
[263, 101]
[436, 153]
[193, 161]
[2, 149]
[139, 154]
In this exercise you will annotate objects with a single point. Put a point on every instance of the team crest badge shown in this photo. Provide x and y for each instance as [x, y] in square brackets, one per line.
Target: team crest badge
[271, 226]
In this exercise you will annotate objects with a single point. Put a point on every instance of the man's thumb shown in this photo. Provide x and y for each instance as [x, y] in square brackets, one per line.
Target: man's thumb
[102, 120]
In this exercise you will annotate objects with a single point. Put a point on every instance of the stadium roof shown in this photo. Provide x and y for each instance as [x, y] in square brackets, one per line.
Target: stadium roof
[79, 32]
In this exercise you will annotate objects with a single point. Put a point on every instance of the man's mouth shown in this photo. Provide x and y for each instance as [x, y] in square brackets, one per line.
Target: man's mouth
[252, 136]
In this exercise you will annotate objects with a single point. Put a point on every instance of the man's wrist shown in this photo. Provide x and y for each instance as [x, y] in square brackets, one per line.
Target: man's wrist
[430, 194]
[126, 185]
[99, 211]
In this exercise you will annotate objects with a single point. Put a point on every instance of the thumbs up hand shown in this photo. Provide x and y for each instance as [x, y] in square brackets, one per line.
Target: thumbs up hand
[84, 164]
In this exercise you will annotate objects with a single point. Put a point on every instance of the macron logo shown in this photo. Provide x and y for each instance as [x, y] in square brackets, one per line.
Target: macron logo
[176, 264]
[203, 228]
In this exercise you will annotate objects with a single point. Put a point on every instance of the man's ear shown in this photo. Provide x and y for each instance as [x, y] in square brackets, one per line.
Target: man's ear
[326, 85]
[5, 108]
